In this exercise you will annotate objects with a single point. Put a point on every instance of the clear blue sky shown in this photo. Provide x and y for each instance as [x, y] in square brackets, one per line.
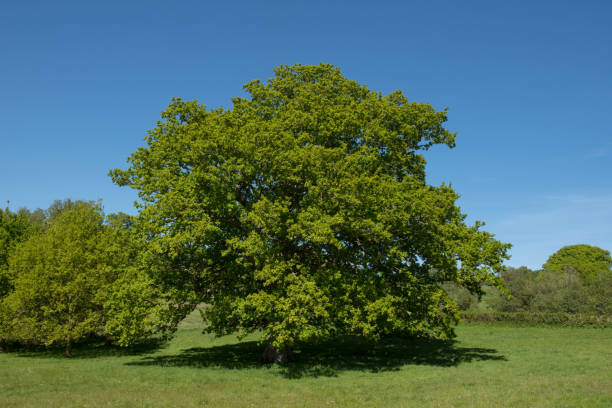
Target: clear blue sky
[528, 85]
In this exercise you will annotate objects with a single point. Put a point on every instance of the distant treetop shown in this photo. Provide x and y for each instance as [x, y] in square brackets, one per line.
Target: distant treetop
[589, 261]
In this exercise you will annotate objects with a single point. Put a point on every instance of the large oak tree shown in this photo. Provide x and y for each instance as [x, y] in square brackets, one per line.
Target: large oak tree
[303, 211]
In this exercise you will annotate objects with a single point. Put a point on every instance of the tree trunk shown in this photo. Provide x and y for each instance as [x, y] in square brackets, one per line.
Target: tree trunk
[69, 348]
[2, 345]
[274, 355]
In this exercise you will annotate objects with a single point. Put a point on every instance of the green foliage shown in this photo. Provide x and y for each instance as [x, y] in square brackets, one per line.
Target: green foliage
[599, 295]
[14, 228]
[80, 274]
[60, 278]
[522, 285]
[464, 299]
[304, 212]
[136, 309]
[588, 261]
[559, 293]
[58, 206]
[549, 297]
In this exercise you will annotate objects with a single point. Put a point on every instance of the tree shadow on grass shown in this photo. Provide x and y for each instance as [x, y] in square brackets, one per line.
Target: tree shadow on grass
[332, 357]
[94, 347]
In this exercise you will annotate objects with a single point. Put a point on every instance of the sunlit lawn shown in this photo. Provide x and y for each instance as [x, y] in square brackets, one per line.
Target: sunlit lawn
[486, 366]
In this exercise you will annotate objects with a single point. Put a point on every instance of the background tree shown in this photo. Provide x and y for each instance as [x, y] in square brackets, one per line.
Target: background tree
[61, 278]
[559, 292]
[588, 261]
[553, 291]
[81, 275]
[304, 212]
[15, 227]
[599, 295]
[462, 297]
[522, 285]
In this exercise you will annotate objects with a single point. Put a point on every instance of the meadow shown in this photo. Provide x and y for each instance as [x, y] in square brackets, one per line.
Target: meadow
[485, 366]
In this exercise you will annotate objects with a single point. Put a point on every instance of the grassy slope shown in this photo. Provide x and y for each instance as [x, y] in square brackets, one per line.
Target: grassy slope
[487, 366]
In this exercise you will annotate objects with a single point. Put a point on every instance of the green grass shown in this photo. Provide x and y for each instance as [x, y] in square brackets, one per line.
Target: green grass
[487, 366]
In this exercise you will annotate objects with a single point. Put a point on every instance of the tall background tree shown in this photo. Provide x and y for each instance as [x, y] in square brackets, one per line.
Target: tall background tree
[586, 260]
[304, 212]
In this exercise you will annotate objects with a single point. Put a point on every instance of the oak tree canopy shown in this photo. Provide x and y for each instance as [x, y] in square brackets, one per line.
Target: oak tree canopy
[303, 212]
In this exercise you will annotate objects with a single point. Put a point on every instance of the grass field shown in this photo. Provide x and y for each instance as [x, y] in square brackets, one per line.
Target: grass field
[487, 366]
